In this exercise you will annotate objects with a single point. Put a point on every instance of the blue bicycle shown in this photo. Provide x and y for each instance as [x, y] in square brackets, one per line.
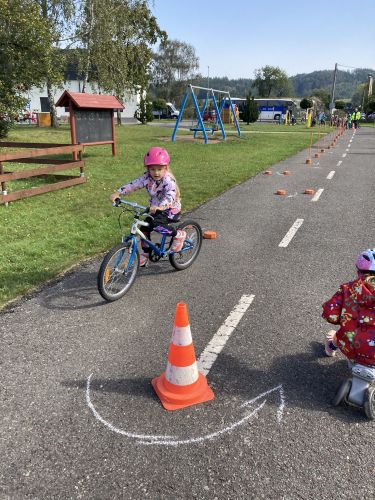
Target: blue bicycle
[120, 266]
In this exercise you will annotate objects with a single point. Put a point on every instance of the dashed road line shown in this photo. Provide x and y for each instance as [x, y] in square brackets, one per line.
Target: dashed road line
[343, 155]
[331, 174]
[317, 195]
[290, 234]
[218, 341]
[339, 163]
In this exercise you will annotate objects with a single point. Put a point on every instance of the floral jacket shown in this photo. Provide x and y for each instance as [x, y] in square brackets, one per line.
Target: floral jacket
[353, 308]
[162, 193]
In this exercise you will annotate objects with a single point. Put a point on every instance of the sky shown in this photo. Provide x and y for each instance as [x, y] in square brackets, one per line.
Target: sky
[233, 38]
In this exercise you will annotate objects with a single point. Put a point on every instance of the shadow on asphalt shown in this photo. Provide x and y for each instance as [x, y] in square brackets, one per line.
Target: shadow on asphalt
[80, 290]
[309, 379]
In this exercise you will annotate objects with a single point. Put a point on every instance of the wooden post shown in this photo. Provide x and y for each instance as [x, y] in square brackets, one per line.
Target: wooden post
[72, 128]
[3, 185]
[113, 136]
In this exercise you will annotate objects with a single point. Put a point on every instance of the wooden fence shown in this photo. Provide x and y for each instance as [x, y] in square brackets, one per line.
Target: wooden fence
[53, 165]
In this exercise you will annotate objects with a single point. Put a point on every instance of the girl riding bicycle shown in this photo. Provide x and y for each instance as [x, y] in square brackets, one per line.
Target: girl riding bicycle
[165, 204]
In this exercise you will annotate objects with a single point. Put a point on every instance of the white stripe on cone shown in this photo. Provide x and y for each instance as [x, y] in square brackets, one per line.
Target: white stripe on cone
[181, 335]
[182, 375]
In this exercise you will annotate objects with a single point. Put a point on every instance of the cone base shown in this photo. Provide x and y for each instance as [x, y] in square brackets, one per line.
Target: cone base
[176, 401]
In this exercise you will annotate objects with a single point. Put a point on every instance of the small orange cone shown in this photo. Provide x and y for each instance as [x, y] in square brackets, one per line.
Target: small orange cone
[267, 172]
[281, 192]
[181, 384]
[309, 191]
[209, 235]
[308, 161]
[287, 172]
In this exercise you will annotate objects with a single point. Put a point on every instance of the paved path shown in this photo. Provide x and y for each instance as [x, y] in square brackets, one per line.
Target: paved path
[271, 431]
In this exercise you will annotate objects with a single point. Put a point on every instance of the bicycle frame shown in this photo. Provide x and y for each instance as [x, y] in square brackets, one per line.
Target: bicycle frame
[137, 233]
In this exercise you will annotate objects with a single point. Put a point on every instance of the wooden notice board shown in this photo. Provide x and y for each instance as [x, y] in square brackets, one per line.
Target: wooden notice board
[93, 125]
[91, 118]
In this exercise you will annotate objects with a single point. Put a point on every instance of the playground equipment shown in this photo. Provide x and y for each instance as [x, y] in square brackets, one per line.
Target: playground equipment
[216, 122]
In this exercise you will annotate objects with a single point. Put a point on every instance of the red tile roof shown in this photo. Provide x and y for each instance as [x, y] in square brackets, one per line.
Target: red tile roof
[93, 101]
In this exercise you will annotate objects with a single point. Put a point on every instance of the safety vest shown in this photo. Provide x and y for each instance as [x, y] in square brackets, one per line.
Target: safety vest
[358, 115]
[353, 115]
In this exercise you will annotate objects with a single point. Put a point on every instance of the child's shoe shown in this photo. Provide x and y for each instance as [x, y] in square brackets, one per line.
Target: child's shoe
[330, 347]
[178, 241]
[143, 259]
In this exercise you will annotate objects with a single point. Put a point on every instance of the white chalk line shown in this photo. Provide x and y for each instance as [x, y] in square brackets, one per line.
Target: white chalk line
[331, 174]
[290, 234]
[218, 341]
[282, 398]
[343, 155]
[317, 195]
[347, 149]
[200, 439]
[111, 426]
[339, 163]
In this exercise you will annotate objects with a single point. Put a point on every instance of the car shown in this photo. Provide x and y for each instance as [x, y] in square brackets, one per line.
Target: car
[371, 116]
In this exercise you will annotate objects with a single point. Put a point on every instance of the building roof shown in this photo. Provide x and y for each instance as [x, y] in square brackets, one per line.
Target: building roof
[93, 101]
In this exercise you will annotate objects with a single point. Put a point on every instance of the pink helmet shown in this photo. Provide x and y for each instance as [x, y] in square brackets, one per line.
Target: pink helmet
[156, 156]
[366, 260]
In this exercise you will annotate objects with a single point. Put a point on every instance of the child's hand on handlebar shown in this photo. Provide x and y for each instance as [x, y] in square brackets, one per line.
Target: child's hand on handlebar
[114, 196]
[153, 209]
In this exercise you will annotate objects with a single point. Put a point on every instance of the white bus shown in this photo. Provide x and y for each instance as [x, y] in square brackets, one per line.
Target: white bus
[270, 109]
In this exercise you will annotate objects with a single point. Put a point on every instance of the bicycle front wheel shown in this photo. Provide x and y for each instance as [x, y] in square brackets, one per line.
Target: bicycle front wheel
[117, 274]
[191, 248]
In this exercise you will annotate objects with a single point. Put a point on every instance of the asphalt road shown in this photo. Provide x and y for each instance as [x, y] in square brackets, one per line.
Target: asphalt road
[63, 439]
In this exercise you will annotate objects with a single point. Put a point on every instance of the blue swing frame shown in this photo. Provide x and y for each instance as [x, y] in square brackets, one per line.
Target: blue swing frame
[200, 127]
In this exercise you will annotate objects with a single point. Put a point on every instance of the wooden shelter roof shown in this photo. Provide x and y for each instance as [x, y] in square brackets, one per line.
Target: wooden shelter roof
[93, 101]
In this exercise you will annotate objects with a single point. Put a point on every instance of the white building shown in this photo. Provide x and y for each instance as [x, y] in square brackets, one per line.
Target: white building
[38, 100]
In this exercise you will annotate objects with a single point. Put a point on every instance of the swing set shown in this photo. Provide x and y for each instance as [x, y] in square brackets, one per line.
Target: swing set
[215, 124]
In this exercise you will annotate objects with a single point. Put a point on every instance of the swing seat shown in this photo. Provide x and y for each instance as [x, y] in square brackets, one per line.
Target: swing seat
[197, 129]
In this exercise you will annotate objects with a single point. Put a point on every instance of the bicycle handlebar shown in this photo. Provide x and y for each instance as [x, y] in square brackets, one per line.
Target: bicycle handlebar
[120, 201]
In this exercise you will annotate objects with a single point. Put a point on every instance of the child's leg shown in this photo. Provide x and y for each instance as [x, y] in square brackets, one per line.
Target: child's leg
[331, 343]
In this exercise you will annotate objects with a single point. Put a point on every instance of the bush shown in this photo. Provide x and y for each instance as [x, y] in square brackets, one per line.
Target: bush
[306, 103]
[5, 126]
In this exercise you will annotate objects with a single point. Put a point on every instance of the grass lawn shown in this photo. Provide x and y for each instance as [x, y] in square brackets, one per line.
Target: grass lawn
[44, 235]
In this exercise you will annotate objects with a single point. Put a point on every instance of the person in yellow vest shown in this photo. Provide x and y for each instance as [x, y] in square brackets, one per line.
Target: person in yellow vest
[356, 116]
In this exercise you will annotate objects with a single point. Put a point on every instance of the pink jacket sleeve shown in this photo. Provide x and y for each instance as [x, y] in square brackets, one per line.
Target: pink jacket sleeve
[133, 185]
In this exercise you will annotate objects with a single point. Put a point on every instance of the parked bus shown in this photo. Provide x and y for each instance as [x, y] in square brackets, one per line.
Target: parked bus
[269, 109]
[272, 109]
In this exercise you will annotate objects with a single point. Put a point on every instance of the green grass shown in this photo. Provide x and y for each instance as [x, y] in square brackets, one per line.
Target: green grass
[44, 235]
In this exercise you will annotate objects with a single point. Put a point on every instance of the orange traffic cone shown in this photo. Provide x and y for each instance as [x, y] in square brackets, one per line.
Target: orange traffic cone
[181, 384]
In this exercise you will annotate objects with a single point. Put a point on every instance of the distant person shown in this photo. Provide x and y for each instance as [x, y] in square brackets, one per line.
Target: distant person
[322, 118]
[165, 204]
[293, 120]
[353, 308]
[349, 120]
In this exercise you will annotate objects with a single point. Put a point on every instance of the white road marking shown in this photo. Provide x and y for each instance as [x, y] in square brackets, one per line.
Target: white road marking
[349, 145]
[331, 174]
[346, 150]
[218, 341]
[292, 231]
[339, 163]
[343, 155]
[317, 195]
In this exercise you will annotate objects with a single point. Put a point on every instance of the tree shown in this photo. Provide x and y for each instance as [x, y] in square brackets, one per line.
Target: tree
[116, 36]
[306, 103]
[58, 14]
[25, 47]
[340, 104]
[174, 62]
[272, 80]
[251, 111]
[323, 95]
[144, 110]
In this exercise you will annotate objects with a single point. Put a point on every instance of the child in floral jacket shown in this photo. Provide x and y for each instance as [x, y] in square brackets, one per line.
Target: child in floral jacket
[353, 308]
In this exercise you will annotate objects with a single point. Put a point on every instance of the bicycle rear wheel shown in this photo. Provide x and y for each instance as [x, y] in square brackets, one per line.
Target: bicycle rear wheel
[115, 276]
[191, 248]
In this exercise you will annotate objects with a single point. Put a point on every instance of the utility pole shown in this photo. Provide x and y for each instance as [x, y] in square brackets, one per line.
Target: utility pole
[332, 103]
[208, 77]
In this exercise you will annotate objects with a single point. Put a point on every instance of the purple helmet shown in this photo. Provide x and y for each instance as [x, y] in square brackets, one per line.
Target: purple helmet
[156, 156]
[366, 260]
